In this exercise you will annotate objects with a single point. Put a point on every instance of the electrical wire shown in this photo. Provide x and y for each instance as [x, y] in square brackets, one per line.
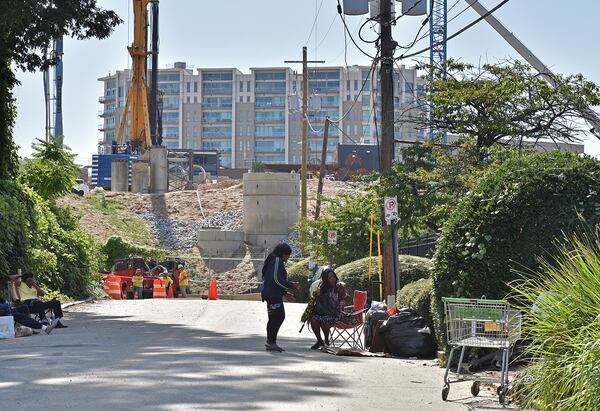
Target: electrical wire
[314, 24]
[328, 30]
[407, 11]
[459, 32]
[360, 33]
[408, 47]
[341, 14]
[344, 133]
[373, 65]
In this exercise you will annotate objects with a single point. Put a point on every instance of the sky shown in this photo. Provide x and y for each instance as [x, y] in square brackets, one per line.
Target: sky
[244, 34]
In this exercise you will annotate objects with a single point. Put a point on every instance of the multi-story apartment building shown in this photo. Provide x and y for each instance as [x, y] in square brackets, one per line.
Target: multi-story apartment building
[257, 116]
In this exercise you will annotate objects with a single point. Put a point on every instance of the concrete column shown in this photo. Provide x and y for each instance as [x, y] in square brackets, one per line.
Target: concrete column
[140, 176]
[119, 175]
[159, 170]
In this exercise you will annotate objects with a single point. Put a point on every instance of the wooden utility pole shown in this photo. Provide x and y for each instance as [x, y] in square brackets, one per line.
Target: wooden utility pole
[386, 78]
[322, 170]
[304, 172]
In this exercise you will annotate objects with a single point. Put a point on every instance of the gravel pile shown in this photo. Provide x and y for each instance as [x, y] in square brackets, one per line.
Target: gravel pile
[227, 220]
[293, 239]
[173, 234]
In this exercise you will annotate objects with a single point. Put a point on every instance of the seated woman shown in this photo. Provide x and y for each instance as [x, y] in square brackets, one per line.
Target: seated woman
[329, 306]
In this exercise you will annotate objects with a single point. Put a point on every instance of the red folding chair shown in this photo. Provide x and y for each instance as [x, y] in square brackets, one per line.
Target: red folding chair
[351, 333]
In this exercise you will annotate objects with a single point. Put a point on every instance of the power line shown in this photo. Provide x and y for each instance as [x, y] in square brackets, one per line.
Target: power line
[314, 23]
[328, 30]
[341, 14]
[459, 32]
[373, 65]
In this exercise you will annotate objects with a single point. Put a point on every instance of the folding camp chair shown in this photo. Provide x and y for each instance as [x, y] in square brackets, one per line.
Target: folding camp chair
[351, 333]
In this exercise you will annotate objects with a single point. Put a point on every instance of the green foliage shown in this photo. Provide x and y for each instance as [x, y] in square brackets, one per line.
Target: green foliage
[117, 248]
[509, 219]
[349, 216]
[564, 329]
[417, 295]
[51, 172]
[355, 274]
[9, 159]
[299, 272]
[61, 254]
[258, 167]
[508, 101]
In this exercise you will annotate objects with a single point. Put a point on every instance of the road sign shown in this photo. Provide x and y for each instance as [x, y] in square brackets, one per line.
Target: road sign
[391, 209]
[332, 237]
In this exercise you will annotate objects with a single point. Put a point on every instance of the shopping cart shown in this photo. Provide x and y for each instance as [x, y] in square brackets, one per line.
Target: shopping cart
[481, 324]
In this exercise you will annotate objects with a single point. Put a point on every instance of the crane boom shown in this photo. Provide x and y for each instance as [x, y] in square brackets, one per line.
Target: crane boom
[137, 97]
[587, 114]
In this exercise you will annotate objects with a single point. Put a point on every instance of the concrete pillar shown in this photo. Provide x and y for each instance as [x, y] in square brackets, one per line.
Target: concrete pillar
[159, 170]
[119, 175]
[140, 176]
[271, 207]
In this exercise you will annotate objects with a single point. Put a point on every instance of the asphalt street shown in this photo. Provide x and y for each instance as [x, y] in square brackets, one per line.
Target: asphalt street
[198, 354]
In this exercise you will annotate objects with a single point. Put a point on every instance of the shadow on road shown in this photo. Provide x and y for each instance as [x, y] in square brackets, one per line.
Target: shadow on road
[106, 362]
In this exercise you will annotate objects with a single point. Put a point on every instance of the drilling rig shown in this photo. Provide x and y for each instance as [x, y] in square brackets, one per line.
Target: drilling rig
[137, 105]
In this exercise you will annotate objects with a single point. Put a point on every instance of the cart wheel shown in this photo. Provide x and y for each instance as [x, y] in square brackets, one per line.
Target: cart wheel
[475, 388]
[445, 392]
[501, 395]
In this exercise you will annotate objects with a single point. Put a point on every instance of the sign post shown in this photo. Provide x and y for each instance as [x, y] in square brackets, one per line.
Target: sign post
[391, 209]
[332, 237]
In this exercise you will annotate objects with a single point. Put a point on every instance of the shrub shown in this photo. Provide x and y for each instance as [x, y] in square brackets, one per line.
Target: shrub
[564, 329]
[417, 295]
[349, 216]
[299, 272]
[117, 248]
[508, 220]
[355, 274]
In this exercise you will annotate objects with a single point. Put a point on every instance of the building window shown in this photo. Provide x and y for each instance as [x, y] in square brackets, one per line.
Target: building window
[195, 99]
[356, 85]
[195, 86]
[348, 85]
[247, 99]
[187, 86]
[187, 99]
[241, 86]
[188, 116]
[247, 87]
[241, 99]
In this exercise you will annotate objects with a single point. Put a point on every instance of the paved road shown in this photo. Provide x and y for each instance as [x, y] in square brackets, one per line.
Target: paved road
[195, 354]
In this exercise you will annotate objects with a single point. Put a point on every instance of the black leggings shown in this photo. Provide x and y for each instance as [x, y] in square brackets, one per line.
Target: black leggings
[276, 316]
[39, 307]
[21, 315]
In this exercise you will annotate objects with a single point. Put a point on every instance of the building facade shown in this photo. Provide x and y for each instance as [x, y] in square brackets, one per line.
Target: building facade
[257, 116]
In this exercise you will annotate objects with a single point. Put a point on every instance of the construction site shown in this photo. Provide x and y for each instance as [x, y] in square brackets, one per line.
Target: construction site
[417, 182]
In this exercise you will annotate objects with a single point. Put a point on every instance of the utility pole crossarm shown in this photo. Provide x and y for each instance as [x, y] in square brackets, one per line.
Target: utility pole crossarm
[587, 114]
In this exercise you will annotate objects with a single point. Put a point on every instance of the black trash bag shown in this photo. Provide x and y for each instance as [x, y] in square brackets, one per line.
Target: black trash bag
[406, 334]
[371, 320]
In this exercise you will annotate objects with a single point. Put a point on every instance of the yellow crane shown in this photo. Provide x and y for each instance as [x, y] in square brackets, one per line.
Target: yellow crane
[137, 97]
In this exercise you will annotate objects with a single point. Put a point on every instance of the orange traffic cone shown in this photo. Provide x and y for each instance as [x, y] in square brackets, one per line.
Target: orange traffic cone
[212, 291]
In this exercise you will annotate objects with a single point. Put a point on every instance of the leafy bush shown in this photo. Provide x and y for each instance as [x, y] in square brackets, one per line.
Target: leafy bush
[508, 220]
[117, 248]
[564, 329]
[52, 171]
[57, 250]
[417, 295]
[299, 272]
[349, 216]
[355, 274]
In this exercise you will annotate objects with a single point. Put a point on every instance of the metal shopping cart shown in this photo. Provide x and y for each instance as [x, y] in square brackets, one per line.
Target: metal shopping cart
[481, 324]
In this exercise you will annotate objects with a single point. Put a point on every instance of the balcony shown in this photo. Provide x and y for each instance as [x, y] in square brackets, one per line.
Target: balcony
[105, 127]
[104, 113]
[107, 99]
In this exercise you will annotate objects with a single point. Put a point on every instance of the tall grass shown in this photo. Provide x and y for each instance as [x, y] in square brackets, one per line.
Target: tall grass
[564, 329]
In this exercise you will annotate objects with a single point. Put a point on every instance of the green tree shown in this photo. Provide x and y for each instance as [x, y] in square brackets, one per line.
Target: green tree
[27, 28]
[51, 172]
[502, 103]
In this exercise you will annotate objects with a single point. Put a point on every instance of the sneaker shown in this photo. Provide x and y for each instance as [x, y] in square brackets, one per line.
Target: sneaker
[273, 347]
[279, 348]
[316, 345]
[49, 328]
[61, 325]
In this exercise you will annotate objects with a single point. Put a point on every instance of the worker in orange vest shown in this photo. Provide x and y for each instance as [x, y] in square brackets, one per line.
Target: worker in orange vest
[168, 281]
[183, 281]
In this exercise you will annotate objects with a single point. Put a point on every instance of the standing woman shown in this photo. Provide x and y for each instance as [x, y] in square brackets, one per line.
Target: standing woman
[275, 287]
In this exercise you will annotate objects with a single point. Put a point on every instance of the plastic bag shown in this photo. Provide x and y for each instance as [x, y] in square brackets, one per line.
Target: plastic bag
[7, 327]
[406, 334]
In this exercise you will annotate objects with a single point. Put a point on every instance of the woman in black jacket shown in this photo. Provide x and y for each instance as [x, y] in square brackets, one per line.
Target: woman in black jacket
[275, 287]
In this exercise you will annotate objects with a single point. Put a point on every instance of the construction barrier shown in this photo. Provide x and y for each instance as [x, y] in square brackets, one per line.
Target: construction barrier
[212, 291]
[106, 286]
[170, 293]
[114, 287]
[158, 289]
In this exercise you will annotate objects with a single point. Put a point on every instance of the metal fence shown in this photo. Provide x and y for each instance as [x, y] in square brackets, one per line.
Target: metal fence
[423, 246]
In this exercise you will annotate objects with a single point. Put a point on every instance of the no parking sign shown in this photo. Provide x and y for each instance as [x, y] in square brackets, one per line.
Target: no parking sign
[332, 237]
[390, 209]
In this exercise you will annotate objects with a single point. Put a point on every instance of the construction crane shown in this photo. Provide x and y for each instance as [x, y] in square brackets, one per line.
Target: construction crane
[438, 32]
[587, 114]
[137, 96]
[53, 79]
